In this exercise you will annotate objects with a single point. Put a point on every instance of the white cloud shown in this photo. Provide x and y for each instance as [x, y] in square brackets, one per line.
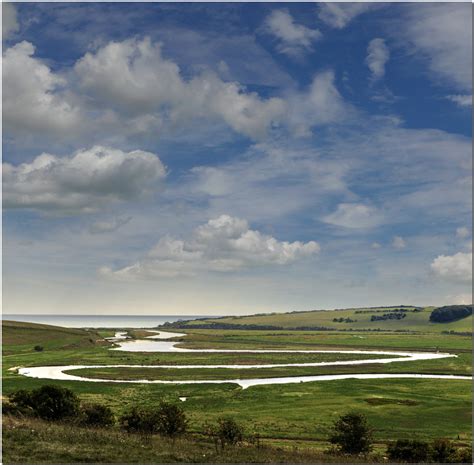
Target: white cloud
[462, 232]
[9, 20]
[223, 244]
[295, 39]
[441, 33]
[133, 77]
[456, 267]
[398, 242]
[102, 227]
[321, 104]
[377, 56]
[461, 100]
[339, 15]
[83, 182]
[33, 98]
[355, 215]
[376, 245]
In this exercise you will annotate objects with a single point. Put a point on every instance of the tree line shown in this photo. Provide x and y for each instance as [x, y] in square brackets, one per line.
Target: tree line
[450, 313]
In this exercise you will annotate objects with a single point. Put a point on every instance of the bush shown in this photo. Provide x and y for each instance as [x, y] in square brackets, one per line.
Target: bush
[140, 420]
[442, 451]
[38, 348]
[450, 313]
[96, 415]
[463, 455]
[172, 420]
[48, 402]
[352, 434]
[407, 450]
[229, 431]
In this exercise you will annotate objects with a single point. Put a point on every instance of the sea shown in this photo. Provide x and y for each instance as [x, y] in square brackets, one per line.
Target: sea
[102, 321]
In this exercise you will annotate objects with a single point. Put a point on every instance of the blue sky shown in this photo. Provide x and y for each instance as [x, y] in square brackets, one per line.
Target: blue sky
[234, 158]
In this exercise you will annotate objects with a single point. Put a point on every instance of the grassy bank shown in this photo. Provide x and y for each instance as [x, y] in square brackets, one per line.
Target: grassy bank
[35, 441]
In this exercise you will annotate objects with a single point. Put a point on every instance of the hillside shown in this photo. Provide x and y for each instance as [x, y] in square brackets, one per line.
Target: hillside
[21, 336]
[401, 318]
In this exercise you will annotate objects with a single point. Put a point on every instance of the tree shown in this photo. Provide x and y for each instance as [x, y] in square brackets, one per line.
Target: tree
[172, 420]
[96, 415]
[407, 450]
[38, 348]
[352, 434]
[229, 431]
[48, 402]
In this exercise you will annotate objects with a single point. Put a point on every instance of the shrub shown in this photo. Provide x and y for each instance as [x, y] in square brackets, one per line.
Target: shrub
[407, 450]
[172, 420]
[463, 455]
[20, 398]
[140, 420]
[38, 348]
[47, 402]
[229, 431]
[96, 415]
[442, 451]
[352, 434]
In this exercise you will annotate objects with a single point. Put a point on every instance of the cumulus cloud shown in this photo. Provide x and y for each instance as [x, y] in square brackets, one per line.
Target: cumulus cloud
[456, 267]
[354, 215]
[133, 77]
[33, 97]
[294, 39]
[102, 227]
[461, 100]
[339, 15]
[377, 56]
[223, 244]
[398, 242]
[441, 33]
[83, 182]
[9, 20]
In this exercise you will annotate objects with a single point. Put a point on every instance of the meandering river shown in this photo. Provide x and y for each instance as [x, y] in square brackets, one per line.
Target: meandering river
[159, 343]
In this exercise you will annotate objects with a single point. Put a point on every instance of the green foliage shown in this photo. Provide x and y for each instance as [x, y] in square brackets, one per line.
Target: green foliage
[450, 313]
[229, 431]
[442, 451]
[48, 402]
[96, 415]
[352, 434]
[172, 420]
[407, 450]
[141, 420]
[39, 348]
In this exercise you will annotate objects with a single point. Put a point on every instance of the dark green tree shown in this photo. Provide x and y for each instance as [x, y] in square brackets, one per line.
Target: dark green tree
[48, 402]
[352, 434]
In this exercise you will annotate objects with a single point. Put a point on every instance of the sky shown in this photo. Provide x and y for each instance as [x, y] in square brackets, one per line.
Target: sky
[166, 158]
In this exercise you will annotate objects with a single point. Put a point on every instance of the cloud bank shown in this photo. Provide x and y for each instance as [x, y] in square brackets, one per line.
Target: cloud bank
[223, 244]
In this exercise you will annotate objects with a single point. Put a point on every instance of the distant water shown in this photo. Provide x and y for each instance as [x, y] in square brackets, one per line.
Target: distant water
[101, 321]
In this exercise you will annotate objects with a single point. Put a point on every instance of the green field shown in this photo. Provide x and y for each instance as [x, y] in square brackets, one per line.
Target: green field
[414, 320]
[284, 416]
